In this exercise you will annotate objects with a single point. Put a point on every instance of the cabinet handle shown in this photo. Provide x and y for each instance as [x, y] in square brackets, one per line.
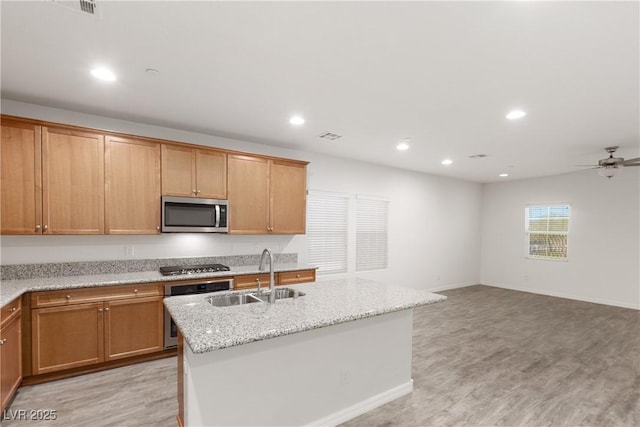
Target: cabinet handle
[198, 192]
[2, 341]
[106, 309]
[158, 228]
[297, 276]
[100, 310]
[194, 191]
[38, 227]
[135, 291]
[46, 227]
[13, 309]
[68, 297]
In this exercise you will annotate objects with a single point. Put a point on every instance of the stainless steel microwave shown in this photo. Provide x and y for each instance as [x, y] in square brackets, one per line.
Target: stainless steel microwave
[194, 215]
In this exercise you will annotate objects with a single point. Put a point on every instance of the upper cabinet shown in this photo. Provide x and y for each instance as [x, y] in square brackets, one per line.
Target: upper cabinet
[52, 180]
[21, 168]
[72, 182]
[59, 179]
[193, 172]
[266, 196]
[287, 196]
[132, 186]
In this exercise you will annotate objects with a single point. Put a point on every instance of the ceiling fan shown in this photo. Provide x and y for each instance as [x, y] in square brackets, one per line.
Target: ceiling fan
[612, 166]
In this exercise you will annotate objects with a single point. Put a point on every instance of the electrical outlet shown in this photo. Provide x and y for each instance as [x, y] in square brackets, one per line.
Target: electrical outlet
[129, 251]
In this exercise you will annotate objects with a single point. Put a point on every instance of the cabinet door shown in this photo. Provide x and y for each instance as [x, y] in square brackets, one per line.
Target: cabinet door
[66, 337]
[132, 179]
[133, 326]
[211, 169]
[10, 359]
[248, 195]
[288, 197]
[178, 165]
[21, 183]
[73, 181]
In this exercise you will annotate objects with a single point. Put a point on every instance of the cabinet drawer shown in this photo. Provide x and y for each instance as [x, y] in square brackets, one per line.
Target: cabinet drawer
[249, 281]
[86, 295]
[10, 310]
[292, 277]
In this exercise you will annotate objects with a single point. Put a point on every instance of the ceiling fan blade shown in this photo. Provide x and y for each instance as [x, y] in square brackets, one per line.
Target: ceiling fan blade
[631, 162]
[587, 166]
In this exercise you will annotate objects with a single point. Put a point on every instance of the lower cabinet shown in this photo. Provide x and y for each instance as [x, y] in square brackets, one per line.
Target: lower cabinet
[133, 327]
[250, 281]
[80, 333]
[10, 351]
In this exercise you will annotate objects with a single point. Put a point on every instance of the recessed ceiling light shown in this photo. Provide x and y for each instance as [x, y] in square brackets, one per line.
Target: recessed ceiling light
[403, 145]
[516, 114]
[103, 74]
[447, 162]
[503, 174]
[296, 120]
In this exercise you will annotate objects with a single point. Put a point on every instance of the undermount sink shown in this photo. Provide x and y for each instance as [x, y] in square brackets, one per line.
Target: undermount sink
[232, 299]
[249, 298]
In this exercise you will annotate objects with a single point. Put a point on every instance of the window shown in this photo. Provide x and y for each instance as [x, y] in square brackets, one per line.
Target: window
[547, 231]
[371, 234]
[327, 231]
[346, 233]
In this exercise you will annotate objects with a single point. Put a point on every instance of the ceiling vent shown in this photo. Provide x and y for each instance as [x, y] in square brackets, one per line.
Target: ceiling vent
[478, 156]
[329, 136]
[88, 7]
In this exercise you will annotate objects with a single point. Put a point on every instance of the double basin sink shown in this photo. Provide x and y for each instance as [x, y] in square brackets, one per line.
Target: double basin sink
[251, 297]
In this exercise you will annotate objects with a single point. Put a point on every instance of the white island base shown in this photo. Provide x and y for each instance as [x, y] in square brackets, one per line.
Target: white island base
[323, 376]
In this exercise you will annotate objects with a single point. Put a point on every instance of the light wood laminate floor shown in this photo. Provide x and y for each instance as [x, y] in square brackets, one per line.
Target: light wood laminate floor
[485, 357]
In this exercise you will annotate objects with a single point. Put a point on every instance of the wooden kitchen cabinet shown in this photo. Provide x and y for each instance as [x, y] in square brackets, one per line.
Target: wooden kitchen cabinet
[72, 181]
[193, 172]
[287, 197]
[10, 351]
[133, 327]
[52, 180]
[132, 186]
[298, 276]
[250, 281]
[21, 163]
[266, 196]
[66, 337]
[81, 327]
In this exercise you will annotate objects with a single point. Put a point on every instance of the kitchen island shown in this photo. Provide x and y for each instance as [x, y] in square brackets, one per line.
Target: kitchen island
[340, 350]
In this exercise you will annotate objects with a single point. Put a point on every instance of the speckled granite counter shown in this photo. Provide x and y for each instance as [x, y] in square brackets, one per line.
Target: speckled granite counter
[327, 302]
[11, 289]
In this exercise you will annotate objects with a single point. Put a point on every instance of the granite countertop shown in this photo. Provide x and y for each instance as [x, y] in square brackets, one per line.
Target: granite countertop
[325, 303]
[11, 289]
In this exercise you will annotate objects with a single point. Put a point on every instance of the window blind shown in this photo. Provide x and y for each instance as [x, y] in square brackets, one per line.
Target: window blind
[547, 231]
[371, 234]
[327, 231]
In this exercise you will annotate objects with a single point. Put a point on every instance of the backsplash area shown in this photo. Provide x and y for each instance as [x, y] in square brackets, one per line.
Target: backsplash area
[35, 271]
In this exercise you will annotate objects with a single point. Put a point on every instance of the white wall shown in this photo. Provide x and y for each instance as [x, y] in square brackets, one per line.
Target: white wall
[604, 240]
[434, 222]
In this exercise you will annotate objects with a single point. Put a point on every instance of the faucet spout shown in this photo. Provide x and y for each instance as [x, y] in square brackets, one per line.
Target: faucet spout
[272, 281]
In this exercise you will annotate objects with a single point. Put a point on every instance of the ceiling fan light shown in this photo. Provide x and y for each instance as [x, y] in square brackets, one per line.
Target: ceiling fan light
[610, 171]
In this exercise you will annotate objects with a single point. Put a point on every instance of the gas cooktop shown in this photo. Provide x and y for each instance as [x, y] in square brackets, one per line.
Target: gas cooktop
[192, 269]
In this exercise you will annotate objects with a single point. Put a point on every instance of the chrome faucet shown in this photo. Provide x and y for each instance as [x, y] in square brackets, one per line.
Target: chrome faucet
[272, 280]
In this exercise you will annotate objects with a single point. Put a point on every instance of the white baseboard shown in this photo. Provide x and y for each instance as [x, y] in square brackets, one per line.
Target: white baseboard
[454, 286]
[364, 406]
[567, 296]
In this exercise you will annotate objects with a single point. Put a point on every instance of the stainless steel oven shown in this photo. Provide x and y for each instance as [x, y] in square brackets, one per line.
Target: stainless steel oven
[195, 287]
